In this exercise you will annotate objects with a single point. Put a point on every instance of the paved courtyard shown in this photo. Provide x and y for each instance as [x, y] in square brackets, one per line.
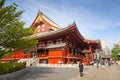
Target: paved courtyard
[49, 73]
[67, 73]
[106, 73]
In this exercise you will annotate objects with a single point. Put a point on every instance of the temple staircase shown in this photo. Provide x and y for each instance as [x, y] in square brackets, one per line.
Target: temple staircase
[30, 61]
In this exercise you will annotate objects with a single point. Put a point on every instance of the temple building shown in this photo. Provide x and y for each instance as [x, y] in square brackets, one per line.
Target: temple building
[58, 45]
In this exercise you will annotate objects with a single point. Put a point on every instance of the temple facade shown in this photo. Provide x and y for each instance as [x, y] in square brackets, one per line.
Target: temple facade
[58, 45]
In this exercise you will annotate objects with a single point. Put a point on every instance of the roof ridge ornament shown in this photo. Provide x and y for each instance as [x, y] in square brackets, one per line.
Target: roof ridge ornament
[73, 24]
[39, 12]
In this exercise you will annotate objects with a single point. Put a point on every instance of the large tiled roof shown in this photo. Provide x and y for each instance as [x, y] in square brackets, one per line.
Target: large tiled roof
[44, 17]
[49, 20]
[47, 33]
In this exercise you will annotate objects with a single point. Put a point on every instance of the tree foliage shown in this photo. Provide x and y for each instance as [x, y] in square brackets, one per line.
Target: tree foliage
[13, 35]
[115, 52]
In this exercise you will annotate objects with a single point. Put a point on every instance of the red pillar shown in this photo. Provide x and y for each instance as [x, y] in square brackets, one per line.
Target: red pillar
[91, 55]
[86, 58]
[68, 60]
[68, 55]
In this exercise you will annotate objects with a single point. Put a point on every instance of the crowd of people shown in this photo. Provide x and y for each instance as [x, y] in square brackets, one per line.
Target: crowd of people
[101, 63]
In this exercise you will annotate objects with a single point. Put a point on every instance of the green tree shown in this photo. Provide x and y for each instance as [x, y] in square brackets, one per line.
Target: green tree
[115, 51]
[13, 35]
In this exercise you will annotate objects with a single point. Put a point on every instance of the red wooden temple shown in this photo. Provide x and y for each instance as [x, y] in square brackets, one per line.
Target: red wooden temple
[58, 45]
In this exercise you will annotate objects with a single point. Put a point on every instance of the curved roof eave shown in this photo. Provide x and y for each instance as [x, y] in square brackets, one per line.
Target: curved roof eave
[92, 41]
[50, 21]
[78, 32]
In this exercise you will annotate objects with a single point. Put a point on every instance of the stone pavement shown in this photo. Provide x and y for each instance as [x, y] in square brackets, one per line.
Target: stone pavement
[108, 73]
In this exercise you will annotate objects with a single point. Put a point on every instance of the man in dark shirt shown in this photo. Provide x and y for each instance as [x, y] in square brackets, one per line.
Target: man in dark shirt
[81, 68]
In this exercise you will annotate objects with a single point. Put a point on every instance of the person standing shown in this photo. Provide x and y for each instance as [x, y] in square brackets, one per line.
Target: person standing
[103, 64]
[30, 64]
[109, 63]
[81, 67]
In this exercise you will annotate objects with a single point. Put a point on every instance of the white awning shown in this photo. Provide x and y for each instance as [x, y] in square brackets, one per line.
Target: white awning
[56, 45]
[85, 51]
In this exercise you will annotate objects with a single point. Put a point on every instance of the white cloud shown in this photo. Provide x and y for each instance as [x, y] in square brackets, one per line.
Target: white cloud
[85, 20]
[89, 23]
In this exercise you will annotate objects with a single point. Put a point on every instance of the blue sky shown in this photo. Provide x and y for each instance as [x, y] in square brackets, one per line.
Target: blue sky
[95, 19]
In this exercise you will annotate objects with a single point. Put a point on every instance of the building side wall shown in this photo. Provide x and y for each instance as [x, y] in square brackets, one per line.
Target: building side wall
[55, 57]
